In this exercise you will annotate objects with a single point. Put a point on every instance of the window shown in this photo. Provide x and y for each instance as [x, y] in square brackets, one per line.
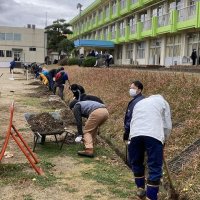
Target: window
[8, 53]
[179, 4]
[17, 36]
[105, 33]
[122, 29]
[129, 51]
[114, 8]
[94, 18]
[2, 52]
[32, 49]
[119, 51]
[2, 36]
[17, 55]
[9, 36]
[143, 16]
[99, 35]
[90, 20]
[100, 15]
[107, 11]
[173, 46]
[191, 2]
[132, 25]
[157, 11]
[113, 31]
[95, 35]
[141, 50]
[155, 46]
[193, 42]
[134, 1]
[123, 4]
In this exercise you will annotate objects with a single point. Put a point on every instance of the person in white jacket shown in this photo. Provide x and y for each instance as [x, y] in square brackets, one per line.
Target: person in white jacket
[149, 129]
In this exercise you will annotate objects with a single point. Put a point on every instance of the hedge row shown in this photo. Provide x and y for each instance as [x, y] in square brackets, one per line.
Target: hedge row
[86, 62]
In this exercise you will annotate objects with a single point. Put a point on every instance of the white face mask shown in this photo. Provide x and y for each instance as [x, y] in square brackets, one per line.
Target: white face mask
[133, 92]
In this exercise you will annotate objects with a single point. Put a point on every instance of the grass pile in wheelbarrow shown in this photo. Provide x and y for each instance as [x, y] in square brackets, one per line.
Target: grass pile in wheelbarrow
[44, 123]
[50, 124]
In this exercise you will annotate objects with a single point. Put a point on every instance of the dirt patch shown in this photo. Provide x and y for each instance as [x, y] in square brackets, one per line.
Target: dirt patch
[45, 123]
[34, 83]
[17, 72]
[54, 104]
[40, 92]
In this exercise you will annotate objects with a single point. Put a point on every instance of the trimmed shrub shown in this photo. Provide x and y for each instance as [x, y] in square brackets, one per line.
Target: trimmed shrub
[89, 62]
[73, 61]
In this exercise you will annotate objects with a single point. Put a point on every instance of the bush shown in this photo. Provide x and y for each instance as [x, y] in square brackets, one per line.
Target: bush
[73, 61]
[64, 61]
[89, 62]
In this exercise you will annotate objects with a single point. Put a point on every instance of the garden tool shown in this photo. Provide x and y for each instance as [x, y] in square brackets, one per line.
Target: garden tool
[174, 195]
[126, 154]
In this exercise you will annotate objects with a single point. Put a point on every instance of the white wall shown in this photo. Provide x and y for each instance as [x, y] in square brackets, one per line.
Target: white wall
[29, 38]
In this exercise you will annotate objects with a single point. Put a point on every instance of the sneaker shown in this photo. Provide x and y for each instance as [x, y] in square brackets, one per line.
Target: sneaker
[79, 139]
[141, 193]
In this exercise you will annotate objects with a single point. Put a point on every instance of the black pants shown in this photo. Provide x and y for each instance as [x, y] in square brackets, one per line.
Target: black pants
[194, 61]
[11, 68]
[108, 61]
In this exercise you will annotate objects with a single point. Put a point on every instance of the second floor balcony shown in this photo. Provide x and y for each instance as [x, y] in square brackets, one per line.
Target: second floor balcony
[133, 29]
[164, 20]
[186, 13]
[146, 25]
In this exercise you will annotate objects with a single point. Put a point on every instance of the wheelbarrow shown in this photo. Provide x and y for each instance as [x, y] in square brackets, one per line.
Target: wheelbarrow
[40, 136]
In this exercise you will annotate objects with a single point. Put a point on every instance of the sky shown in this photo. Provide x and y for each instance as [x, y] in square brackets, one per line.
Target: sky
[19, 13]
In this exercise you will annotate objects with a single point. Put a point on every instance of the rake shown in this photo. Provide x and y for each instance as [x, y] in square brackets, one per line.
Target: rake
[174, 195]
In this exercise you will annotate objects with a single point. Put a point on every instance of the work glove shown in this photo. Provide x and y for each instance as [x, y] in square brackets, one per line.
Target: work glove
[125, 136]
[79, 139]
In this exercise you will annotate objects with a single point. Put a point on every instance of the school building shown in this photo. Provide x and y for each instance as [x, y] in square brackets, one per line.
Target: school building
[146, 32]
[24, 44]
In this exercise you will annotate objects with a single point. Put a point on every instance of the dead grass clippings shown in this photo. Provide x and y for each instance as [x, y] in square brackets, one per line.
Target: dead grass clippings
[45, 123]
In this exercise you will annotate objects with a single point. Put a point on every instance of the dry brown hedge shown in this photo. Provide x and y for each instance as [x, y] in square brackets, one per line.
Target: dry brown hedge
[181, 90]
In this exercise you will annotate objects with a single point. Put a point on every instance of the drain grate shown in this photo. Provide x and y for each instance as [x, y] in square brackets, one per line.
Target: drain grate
[177, 163]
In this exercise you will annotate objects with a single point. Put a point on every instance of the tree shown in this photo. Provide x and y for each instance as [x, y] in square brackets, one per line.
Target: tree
[65, 46]
[56, 33]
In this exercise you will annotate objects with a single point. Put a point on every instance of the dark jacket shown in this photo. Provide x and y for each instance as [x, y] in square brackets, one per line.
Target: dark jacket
[77, 90]
[53, 72]
[193, 55]
[129, 112]
[61, 77]
[85, 97]
[13, 64]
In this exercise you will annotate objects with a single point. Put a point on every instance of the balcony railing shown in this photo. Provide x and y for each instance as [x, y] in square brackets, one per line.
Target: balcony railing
[133, 29]
[187, 13]
[163, 20]
[146, 25]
